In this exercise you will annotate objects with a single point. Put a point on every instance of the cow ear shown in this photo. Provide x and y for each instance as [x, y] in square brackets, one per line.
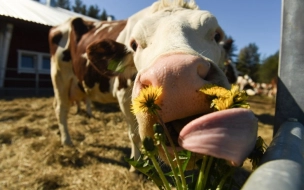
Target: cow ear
[229, 67]
[106, 56]
[228, 45]
[80, 27]
[230, 71]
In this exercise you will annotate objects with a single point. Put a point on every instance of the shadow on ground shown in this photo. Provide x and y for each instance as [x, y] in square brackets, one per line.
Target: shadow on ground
[266, 119]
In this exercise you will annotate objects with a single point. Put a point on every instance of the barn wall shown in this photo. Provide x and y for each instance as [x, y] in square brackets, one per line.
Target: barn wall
[32, 37]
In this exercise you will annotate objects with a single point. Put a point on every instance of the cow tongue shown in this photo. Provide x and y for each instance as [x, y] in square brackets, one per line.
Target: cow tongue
[229, 134]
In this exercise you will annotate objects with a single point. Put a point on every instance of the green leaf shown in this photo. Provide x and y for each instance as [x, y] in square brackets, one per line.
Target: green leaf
[147, 168]
[170, 173]
[184, 156]
[115, 65]
[141, 165]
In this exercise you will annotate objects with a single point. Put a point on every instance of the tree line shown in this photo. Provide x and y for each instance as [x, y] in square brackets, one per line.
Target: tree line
[78, 7]
[248, 61]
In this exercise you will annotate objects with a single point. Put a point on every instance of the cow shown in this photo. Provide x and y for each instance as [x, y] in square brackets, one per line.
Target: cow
[75, 79]
[273, 87]
[253, 88]
[247, 84]
[171, 44]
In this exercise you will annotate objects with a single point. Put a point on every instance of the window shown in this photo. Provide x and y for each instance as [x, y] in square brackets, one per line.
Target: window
[32, 62]
[28, 61]
[46, 63]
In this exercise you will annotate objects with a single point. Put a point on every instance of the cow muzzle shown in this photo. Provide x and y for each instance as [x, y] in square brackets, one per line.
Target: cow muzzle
[181, 76]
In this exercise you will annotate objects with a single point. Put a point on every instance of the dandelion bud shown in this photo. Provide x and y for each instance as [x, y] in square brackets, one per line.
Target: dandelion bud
[148, 144]
[158, 128]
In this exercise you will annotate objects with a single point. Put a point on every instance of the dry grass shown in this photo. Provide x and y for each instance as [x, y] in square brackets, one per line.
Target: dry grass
[31, 156]
[264, 110]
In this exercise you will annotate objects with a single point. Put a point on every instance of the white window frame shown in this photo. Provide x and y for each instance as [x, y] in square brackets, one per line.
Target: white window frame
[38, 65]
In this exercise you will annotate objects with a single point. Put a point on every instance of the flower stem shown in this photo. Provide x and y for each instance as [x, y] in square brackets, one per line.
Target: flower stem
[223, 180]
[178, 163]
[201, 176]
[177, 180]
[160, 172]
[210, 160]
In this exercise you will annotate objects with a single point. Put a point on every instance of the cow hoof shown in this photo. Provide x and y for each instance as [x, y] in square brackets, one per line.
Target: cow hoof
[133, 170]
[135, 174]
[90, 116]
[68, 143]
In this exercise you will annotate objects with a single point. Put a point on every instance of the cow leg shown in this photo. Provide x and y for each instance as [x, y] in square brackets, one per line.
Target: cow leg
[124, 101]
[78, 107]
[88, 107]
[61, 105]
[88, 103]
[135, 143]
[61, 112]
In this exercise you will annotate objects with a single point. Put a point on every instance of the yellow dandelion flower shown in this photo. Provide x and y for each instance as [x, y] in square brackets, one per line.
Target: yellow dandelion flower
[219, 104]
[223, 99]
[235, 89]
[239, 97]
[146, 101]
[213, 90]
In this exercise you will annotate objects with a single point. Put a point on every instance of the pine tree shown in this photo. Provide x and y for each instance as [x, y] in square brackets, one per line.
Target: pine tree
[79, 7]
[269, 68]
[65, 4]
[104, 15]
[232, 50]
[93, 11]
[249, 61]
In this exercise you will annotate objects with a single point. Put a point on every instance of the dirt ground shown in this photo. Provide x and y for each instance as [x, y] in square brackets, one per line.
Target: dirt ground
[31, 156]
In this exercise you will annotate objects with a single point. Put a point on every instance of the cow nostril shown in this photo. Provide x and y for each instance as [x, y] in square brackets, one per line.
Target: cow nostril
[144, 82]
[144, 86]
[203, 69]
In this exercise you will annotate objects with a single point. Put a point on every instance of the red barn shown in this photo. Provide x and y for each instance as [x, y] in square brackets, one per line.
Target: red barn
[24, 49]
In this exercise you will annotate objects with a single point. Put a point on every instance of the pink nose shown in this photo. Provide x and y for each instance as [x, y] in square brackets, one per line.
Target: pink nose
[169, 69]
[181, 77]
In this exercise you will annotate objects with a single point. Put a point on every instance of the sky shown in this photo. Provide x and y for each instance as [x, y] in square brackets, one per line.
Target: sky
[246, 21]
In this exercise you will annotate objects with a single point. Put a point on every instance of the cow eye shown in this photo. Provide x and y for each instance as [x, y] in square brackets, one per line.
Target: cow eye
[134, 45]
[217, 37]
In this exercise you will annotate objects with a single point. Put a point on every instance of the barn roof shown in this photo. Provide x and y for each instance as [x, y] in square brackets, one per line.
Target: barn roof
[36, 12]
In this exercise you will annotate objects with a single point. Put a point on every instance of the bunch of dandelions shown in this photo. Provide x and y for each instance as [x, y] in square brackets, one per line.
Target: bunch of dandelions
[224, 99]
[221, 99]
[146, 102]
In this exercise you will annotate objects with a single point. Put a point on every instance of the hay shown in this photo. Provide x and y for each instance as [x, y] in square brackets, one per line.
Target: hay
[31, 155]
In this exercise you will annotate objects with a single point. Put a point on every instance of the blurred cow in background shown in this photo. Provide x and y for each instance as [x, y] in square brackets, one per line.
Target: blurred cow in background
[253, 88]
[247, 84]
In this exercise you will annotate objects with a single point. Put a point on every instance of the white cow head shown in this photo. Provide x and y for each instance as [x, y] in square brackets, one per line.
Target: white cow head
[178, 47]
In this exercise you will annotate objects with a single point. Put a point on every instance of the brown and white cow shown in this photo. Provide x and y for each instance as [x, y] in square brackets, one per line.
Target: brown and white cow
[170, 44]
[75, 78]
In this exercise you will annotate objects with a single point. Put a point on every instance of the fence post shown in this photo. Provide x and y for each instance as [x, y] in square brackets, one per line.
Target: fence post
[290, 96]
[282, 166]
